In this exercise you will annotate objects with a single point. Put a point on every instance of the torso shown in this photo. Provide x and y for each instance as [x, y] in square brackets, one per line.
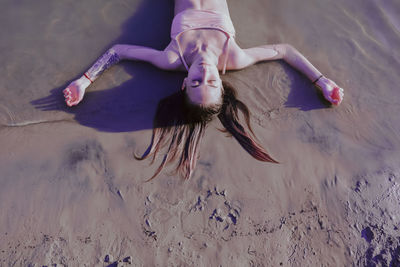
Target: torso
[195, 40]
[219, 41]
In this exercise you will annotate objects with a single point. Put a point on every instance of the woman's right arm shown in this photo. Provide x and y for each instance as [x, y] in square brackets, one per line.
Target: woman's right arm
[166, 60]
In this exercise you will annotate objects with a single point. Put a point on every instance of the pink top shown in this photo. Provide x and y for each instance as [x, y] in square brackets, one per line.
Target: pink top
[193, 19]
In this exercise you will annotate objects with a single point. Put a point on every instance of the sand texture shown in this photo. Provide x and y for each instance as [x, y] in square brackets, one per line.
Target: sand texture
[72, 194]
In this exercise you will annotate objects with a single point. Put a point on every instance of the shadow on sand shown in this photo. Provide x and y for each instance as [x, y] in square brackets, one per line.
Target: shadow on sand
[303, 95]
[132, 105]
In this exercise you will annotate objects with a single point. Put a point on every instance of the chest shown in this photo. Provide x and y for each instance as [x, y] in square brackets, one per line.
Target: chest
[201, 39]
[193, 41]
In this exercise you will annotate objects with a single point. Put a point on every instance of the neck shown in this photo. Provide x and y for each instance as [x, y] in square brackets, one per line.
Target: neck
[203, 55]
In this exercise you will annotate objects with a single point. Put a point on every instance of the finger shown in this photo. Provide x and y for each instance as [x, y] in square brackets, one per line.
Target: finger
[73, 103]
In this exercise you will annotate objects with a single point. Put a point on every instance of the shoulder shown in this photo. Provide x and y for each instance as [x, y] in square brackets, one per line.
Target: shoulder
[170, 58]
[238, 58]
[242, 58]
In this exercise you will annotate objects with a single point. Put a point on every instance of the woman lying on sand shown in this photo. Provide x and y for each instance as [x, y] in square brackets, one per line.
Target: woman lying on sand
[203, 44]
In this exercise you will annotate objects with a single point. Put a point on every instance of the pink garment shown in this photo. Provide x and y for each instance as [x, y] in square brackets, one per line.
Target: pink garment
[193, 19]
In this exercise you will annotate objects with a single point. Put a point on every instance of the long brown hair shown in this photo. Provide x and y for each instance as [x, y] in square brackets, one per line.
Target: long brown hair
[179, 126]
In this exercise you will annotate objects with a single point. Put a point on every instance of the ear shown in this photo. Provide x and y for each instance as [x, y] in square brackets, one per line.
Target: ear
[184, 84]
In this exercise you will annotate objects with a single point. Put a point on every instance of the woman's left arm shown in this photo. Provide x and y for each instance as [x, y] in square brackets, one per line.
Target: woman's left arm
[293, 57]
[286, 52]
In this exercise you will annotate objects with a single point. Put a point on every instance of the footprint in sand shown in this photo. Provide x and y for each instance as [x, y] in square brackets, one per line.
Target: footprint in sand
[218, 213]
[85, 164]
[373, 216]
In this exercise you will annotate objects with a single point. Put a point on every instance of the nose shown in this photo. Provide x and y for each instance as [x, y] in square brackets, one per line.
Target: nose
[204, 72]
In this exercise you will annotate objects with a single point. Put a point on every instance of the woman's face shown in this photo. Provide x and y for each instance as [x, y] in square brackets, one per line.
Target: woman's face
[203, 84]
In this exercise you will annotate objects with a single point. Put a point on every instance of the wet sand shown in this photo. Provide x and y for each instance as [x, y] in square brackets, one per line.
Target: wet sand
[71, 192]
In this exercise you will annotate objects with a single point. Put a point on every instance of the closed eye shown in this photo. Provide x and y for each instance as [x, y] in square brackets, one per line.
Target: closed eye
[213, 83]
[195, 83]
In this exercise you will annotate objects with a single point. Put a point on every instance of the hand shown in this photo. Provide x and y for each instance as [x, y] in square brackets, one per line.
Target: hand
[75, 91]
[331, 91]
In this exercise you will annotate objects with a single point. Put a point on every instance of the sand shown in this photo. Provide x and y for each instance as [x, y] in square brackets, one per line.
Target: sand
[72, 194]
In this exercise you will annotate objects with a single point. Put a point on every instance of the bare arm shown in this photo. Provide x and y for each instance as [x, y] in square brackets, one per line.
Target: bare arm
[166, 60]
[293, 57]
[286, 52]
[162, 59]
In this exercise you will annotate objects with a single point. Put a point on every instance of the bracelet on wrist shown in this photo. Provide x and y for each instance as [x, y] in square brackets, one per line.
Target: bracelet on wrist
[87, 77]
[316, 80]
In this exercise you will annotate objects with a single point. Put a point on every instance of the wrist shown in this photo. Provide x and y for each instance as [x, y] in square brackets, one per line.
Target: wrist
[322, 81]
[86, 75]
[84, 81]
[316, 80]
